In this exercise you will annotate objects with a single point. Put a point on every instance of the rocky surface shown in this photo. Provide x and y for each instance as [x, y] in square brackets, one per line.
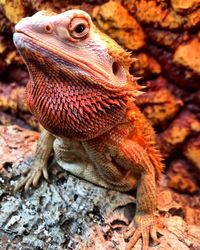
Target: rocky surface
[69, 213]
[191, 151]
[164, 36]
[119, 25]
[185, 52]
[183, 6]
[14, 10]
[181, 177]
[159, 106]
[177, 133]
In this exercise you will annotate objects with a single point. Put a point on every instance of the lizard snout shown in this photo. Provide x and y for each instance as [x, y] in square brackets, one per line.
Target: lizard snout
[22, 24]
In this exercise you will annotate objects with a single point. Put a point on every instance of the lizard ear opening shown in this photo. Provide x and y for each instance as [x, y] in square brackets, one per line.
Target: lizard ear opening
[118, 70]
[115, 68]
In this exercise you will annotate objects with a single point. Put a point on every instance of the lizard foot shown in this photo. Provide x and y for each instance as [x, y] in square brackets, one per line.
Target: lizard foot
[38, 169]
[143, 226]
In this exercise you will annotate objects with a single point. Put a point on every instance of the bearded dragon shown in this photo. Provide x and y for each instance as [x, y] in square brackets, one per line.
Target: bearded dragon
[82, 93]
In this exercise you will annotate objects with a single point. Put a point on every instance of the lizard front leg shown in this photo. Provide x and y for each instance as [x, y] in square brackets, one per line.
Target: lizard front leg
[120, 165]
[143, 225]
[106, 169]
[39, 164]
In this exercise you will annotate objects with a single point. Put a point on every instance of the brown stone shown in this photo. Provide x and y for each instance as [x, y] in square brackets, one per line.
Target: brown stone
[130, 5]
[174, 136]
[115, 20]
[2, 45]
[145, 66]
[192, 216]
[2, 66]
[13, 9]
[157, 84]
[184, 5]
[18, 75]
[13, 57]
[12, 98]
[188, 55]
[193, 20]
[165, 201]
[7, 119]
[159, 106]
[5, 25]
[158, 15]
[192, 151]
[14, 138]
[167, 38]
[180, 178]
[181, 75]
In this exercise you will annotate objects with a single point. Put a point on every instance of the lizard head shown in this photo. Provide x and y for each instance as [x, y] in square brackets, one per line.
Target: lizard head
[79, 77]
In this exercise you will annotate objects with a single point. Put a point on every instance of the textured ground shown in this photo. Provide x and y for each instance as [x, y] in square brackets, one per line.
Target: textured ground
[69, 213]
[164, 36]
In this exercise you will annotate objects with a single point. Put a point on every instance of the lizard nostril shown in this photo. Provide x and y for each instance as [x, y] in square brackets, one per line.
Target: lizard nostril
[48, 28]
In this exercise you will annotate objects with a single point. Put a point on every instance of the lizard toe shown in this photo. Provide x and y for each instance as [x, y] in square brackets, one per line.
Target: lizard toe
[38, 169]
[143, 227]
[133, 240]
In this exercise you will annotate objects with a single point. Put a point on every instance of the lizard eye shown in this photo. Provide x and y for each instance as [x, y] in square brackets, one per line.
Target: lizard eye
[78, 28]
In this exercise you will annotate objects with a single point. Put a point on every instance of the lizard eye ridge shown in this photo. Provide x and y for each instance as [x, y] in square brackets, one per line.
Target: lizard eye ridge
[79, 28]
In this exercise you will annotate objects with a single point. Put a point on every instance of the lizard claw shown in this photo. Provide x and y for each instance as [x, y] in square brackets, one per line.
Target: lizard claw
[144, 228]
[38, 169]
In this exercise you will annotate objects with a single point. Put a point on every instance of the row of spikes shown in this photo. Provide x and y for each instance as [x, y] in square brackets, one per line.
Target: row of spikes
[93, 107]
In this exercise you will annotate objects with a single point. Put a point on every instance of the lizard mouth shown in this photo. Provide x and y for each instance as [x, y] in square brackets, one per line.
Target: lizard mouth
[21, 38]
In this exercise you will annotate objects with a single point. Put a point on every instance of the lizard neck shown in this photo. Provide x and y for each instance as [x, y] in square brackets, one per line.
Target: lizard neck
[73, 106]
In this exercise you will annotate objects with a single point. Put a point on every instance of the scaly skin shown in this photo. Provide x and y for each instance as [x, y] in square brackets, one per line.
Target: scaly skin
[82, 93]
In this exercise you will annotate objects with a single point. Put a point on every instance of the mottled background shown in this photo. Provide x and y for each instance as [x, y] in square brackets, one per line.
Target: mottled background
[164, 35]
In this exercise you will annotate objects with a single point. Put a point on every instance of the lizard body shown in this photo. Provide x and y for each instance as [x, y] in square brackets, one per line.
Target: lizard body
[82, 93]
